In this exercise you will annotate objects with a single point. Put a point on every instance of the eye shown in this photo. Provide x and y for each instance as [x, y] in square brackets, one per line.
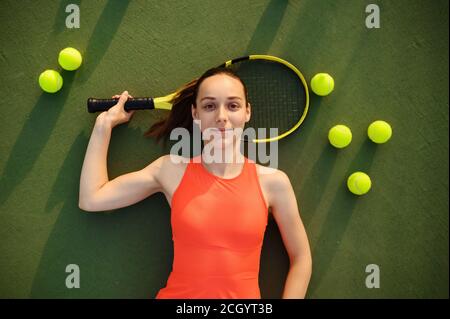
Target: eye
[208, 106]
[234, 106]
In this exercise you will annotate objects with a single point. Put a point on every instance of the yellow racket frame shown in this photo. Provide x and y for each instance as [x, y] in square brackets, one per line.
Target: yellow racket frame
[165, 102]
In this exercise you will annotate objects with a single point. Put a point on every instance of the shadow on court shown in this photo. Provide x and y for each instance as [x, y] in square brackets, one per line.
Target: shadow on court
[316, 182]
[274, 264]
[338, 217]
[267, 28]
[33, 137]
[101, 37]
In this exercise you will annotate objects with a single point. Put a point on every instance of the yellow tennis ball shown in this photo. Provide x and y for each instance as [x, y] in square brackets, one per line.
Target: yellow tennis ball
[340, 136]
[50, 81]
[379, 132]
[359, 183]
[322, 84]
[70, 59]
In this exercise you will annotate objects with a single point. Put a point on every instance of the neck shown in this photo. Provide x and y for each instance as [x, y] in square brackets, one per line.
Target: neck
[226, 162]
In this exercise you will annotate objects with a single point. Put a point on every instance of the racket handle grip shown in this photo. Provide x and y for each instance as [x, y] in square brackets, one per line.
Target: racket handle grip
[137, 103]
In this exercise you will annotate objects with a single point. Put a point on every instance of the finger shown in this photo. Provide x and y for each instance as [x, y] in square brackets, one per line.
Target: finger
[123, 98]
[115, 96]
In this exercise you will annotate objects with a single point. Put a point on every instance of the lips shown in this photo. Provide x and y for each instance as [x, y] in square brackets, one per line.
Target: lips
[224, 129]
[224, 132]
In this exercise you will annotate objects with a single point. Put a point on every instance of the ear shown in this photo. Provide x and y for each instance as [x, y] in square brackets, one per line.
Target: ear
[248, 112]
[194, 112]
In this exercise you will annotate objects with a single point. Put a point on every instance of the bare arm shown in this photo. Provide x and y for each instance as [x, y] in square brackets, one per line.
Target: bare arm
[286, 214]
[97, 193]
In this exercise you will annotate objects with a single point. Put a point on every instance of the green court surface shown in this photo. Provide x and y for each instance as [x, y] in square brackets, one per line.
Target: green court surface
[397, 73]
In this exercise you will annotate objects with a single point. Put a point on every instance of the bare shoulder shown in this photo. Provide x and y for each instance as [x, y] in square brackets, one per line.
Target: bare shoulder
[171, 169]
[170, 164]
[273, 182]
[272, 178]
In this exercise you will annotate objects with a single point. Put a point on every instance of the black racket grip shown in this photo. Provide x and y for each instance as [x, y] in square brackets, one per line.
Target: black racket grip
[137, 103]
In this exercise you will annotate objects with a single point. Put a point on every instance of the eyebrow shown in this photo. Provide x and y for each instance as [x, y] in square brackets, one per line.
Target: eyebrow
[213, 98]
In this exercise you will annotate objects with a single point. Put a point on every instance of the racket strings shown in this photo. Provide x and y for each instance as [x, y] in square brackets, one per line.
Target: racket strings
[275, 92]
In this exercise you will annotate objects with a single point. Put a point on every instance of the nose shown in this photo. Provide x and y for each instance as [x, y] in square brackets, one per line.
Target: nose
[222, 114]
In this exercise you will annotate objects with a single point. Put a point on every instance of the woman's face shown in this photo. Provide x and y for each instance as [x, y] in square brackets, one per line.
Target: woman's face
[220, 105]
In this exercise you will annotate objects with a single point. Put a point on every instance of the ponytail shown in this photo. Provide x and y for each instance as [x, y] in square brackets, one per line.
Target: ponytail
[180, 115]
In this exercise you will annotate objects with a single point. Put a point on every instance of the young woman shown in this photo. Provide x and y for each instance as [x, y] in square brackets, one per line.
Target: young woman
[219, 209]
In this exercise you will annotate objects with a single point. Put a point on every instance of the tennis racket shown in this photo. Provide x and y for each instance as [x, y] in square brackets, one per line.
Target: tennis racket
[277, 92]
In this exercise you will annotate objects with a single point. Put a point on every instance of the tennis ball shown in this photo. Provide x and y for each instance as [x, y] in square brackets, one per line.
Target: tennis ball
[359, 183]
[379, 132]
[340, 136]
[322, 84]
[50, 81]
[70, 59]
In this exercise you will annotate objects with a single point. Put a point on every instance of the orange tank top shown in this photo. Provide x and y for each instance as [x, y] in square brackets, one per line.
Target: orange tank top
[218, 229]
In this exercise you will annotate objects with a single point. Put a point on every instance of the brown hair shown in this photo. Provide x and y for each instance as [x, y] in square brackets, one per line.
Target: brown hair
[180, 115]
